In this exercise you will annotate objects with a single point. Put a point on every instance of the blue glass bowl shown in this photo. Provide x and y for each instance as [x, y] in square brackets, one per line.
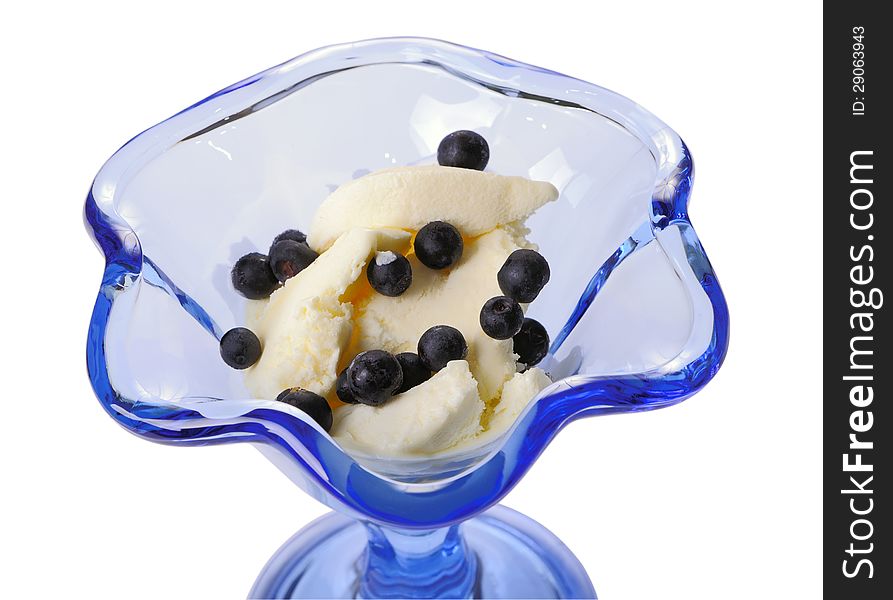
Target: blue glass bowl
[634, 308]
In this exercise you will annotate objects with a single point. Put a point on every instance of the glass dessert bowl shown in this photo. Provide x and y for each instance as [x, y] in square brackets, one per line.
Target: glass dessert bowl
[634, 310]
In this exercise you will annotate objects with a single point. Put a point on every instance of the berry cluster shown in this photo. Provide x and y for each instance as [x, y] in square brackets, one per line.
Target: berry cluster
[521, 279]
[437, 245]
[375, 375]
[257, 275]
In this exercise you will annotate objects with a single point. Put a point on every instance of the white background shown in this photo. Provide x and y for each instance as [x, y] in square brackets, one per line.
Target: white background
[716, 498]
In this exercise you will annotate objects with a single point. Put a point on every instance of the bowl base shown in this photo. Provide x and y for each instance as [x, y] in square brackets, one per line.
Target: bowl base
[516, 558]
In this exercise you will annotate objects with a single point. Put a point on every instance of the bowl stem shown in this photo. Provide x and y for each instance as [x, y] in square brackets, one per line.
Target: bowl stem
[417, 564]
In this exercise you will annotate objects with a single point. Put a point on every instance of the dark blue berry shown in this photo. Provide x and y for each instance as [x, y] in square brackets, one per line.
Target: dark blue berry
[288, 258]
[441, 344]
[531, 344]
[342, 389]
[438, 245]
[240, 348]
[465, 149]
[389, 274]
[501, 317]
[252, 276]
[414, 372]
[313, 404]
[523, 275]
[374, 376]
[290, 234]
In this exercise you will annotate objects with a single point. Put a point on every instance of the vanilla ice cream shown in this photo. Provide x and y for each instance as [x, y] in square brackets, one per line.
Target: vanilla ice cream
[328, 313]
[307, 323]
[410, 197]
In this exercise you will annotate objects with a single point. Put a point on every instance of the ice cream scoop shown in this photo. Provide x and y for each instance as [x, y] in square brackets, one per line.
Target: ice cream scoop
[410, 197]
[331, 312]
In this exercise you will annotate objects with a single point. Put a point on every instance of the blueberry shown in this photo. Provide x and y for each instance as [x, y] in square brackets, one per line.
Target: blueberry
[291, 234]
[523, 275]
[389, 274]
[414, 372]
[342, 389]
[312, 404]
[240, 348]
[465, 149]
[252, 276]
[501, 317]
[374, 376]
[531, 344]
[441, 344]
[438, 245]
[288, 258]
